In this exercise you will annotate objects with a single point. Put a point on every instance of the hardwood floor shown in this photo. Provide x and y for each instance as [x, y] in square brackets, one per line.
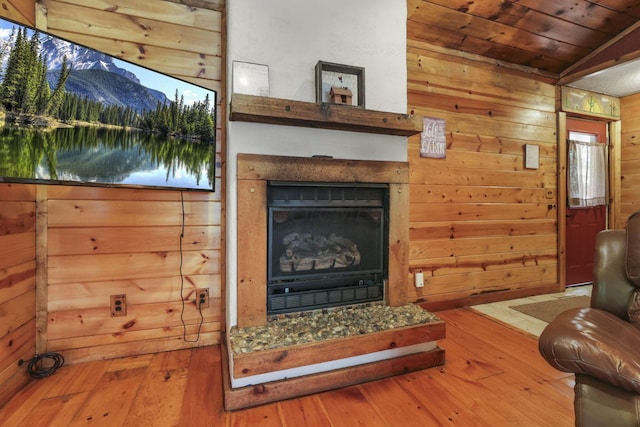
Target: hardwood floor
[494, 376]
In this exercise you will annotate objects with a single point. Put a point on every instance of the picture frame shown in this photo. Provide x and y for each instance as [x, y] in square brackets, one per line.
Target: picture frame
[250, 78]
[330, 75]
[433, 138]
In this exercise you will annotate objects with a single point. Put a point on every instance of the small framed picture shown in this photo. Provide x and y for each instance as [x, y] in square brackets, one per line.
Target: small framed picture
[343, 79]
[250, 79]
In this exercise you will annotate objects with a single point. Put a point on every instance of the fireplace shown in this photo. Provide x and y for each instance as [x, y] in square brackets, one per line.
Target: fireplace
[327, 244]
[297, 199]
[380, 192]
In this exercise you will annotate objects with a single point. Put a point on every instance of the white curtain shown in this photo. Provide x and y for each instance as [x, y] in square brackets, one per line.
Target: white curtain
[587, 174]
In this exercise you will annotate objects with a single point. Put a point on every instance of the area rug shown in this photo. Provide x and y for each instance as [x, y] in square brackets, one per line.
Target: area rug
[548, 310]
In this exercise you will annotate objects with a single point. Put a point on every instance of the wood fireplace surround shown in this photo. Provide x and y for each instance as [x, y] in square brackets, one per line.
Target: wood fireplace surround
[255, 171]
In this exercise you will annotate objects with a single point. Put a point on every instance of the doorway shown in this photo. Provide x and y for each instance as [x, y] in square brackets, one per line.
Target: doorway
[583, 223]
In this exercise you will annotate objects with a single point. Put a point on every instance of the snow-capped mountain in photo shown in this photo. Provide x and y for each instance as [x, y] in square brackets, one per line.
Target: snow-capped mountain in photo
[54, 50]
[95, 75]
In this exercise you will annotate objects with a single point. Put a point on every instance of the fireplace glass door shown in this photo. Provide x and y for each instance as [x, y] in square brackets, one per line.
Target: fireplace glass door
[328, 245]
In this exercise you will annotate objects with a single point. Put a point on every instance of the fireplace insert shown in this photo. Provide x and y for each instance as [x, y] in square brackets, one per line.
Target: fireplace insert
[327, 245]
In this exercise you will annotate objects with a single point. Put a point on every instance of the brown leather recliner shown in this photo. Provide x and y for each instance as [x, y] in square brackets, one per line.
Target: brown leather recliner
[600, 344]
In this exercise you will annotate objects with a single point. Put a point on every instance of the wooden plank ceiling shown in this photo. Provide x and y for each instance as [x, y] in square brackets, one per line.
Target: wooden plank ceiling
[548, 35]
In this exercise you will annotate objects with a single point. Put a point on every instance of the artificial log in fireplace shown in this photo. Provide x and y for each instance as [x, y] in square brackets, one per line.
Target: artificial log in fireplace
[327, 244]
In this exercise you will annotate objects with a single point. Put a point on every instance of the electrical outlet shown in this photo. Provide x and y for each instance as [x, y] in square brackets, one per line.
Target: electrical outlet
[202, 298]
[418, 277]
[118, 305]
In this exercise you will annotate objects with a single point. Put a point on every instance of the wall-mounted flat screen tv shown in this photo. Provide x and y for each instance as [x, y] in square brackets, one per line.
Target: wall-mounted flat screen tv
[73, 115]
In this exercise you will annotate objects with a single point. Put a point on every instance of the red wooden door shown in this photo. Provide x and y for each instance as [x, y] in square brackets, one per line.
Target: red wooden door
[583, 224]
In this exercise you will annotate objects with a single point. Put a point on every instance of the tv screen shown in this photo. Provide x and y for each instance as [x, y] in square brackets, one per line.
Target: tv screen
[73, 115]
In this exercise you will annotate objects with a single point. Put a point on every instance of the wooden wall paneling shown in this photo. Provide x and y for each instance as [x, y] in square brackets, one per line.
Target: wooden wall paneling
[131, 266]
[89, 213]
[42, 287]
[252, 302]
[97, 321]
[17, 285]
[99, 240]
[93, 242]
[154, 30]
[480, 223]
[458, 229]
[14, 376]
[629, 158]
[147, 34]
[615, 180]
[180, 14]
[173, 334]
[111, 241]
[398, 244]
[22, 11]
[96, 293]
[562, 197]
[103, 241]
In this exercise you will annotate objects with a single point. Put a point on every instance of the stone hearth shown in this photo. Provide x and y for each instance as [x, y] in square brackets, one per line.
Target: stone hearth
[326, 324]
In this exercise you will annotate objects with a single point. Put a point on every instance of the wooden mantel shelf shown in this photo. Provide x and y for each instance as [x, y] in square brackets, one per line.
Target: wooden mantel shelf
[287, 112]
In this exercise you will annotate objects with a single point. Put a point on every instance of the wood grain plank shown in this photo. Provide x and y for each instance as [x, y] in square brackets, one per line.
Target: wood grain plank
[392, 404]
[70, 296]
[141, 347]
[315, 383]
[201, 69]
[517, 245]
[22, 11]
[17, 217]
[266, 416]
[75, 192]
[17, 192]
[91, 213]
[165, 379]
[18, 344]
[398, 244]
[107, 240]
[284, 168]
[17, 311]
[478, 263]
[62, 408]
[252, 258]
[557, 404]
[254, 363]
[182, 14]
[74, 379]
[349, 408]
[305, 411]
[86, 344]
[426, 230]
[447, 409]
[96, 321]
[74, 268]
[17, 249]
[99, 23]
[111, 405]
[288, 112]
[203, 397]
[17, 280]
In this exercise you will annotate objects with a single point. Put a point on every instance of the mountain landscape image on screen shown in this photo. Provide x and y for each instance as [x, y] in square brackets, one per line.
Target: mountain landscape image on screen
[95, 119]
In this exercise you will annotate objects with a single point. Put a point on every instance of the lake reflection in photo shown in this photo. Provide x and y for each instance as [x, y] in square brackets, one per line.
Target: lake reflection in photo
[112, 156]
